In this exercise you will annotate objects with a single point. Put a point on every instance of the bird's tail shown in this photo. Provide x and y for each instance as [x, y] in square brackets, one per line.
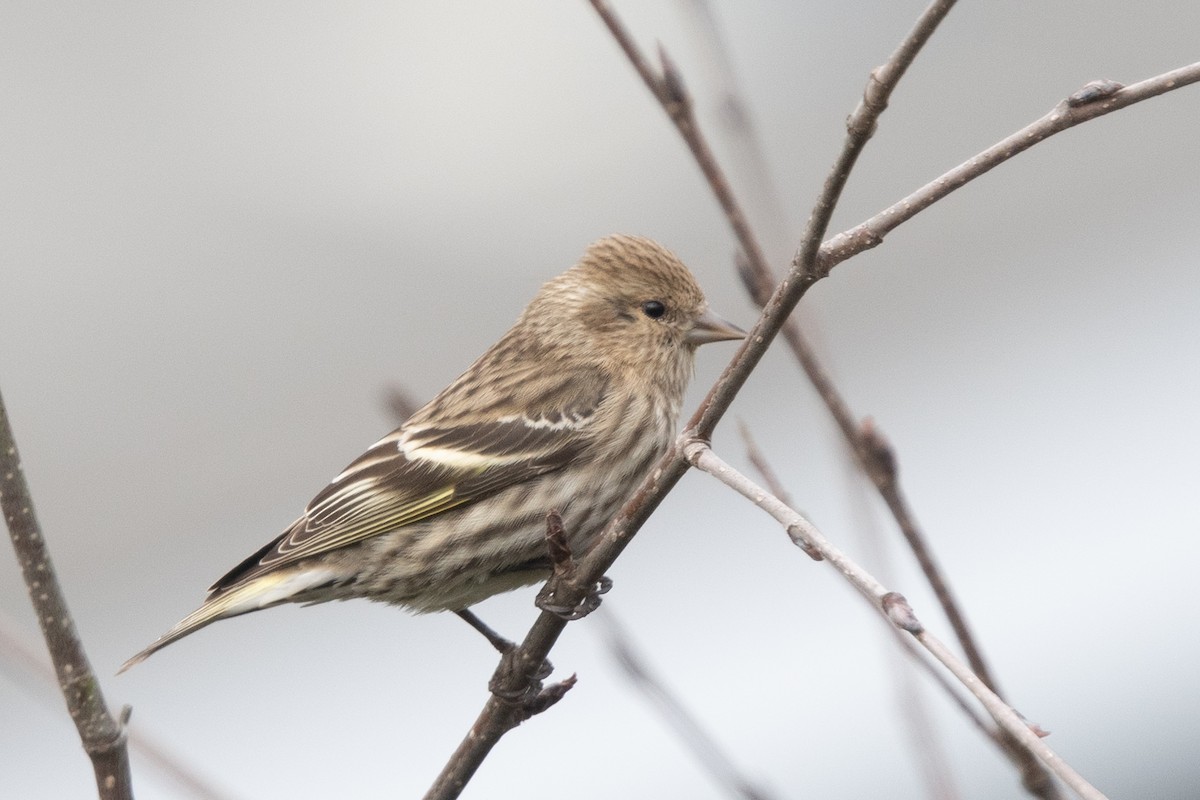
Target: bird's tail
[261, 592]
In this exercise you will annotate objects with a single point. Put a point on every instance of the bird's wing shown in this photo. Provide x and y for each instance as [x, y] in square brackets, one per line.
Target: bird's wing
[426, 468]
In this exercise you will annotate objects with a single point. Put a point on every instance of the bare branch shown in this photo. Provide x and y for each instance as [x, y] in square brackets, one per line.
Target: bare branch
[811, 264]
[1094, 100]
[879, 463]
[760, 463]
[498, 715]
[860, 126]
[759, 278]
[871, 453]
[893, 606]
[103, 736]
[947, 687]
[779, 305]
[669, 90]
[868, 446]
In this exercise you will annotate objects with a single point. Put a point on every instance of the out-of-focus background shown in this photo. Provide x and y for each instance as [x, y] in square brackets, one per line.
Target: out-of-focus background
[228, 228]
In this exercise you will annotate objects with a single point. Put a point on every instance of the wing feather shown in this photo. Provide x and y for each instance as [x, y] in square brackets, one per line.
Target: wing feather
[427, 468]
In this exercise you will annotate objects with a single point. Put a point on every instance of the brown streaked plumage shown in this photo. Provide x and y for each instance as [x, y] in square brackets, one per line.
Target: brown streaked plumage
[566, 412]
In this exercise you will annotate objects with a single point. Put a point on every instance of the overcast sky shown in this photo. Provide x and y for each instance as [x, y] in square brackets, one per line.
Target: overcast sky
[229, 227]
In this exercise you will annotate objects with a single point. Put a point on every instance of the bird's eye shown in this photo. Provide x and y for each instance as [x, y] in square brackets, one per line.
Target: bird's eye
[653, 309]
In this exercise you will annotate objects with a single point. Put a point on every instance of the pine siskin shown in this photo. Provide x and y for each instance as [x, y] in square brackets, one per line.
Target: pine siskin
[566, 412]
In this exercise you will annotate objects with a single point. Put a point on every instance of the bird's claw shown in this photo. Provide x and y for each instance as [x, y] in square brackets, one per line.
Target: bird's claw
[509, 684]
[591, 600]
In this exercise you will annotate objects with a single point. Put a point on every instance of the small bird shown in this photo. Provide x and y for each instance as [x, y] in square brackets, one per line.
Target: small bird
[566, 413]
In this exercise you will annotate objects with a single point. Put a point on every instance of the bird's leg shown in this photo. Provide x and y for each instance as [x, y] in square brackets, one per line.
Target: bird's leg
[565, 574]
[497, 641]
[508, 666]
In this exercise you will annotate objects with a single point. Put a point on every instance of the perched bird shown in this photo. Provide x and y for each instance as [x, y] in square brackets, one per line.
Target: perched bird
[565, 413]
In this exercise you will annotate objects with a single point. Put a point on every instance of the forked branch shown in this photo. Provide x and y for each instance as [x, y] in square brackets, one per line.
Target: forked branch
[814, 260]
[497, 717]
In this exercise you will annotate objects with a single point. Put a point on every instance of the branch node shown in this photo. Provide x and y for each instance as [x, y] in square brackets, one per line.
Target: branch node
[549, 696]
[877, 454]
[796, 534]
[861, 126]
[875, 95]
[896, 606]
[672, 92]
[813, 271]
[1094, 91]
[513, 686]
[693, 447]
[516, 681]
[116, 743]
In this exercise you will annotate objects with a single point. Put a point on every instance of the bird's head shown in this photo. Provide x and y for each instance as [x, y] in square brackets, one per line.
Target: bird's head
[629, 301]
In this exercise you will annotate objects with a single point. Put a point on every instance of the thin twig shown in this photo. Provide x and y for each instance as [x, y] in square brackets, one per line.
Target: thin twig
[102, 735]
[669, 90]
[867, 444]
[878, 462]
[759, 461]
[1094, 100]
[803, 274]
[860, 127]
[891, 605]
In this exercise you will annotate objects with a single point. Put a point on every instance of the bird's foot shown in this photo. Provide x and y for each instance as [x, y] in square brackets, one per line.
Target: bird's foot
[591, 601]
[512, 684]
[505, 647]
[564, 579]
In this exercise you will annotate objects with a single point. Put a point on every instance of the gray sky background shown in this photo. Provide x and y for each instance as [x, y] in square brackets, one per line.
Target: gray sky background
[229, 226]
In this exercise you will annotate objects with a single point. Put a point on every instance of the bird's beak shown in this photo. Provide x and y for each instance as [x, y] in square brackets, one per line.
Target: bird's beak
[711, 328]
